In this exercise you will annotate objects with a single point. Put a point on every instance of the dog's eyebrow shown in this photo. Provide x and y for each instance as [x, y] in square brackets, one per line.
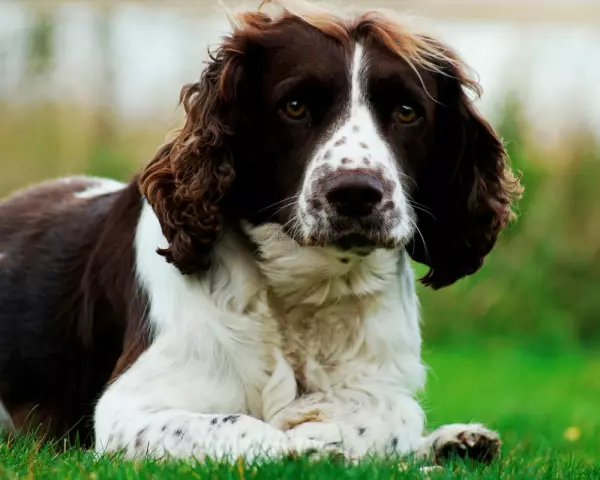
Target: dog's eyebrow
[400, 85]
[308, 80]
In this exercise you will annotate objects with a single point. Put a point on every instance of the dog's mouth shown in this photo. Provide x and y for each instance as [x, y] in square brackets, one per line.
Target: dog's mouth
[359, 243]
[354, 241]
[356, 235]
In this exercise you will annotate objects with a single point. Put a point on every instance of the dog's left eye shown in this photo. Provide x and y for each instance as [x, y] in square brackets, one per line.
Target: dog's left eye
[405, 113]
[295, 109]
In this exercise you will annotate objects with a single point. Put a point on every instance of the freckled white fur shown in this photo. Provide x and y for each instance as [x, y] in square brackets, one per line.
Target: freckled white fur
[348, 149]
[99, 186]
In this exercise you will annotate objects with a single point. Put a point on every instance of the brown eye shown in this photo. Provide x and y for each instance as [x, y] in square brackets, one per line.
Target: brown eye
[295, 109]
[405, 114]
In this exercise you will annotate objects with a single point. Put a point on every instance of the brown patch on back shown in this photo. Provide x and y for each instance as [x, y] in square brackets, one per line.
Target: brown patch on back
[75, 334]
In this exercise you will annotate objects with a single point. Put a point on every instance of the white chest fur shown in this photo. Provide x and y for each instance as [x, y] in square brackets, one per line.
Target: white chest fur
[249, 335]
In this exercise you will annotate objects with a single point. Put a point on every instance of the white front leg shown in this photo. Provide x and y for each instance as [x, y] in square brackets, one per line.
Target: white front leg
[378, 426]
[161, 408]
[139, 433]
[397, 430]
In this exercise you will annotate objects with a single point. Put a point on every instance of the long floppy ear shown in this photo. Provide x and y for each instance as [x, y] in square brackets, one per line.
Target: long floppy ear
[189, 177]
[466, 188]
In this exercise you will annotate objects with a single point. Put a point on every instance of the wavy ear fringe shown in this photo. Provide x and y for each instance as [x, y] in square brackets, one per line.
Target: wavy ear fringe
[468, 186]
[189, 177]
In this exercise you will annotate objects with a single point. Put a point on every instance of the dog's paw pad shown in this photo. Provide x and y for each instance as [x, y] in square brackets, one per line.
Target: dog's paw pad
[467, 441]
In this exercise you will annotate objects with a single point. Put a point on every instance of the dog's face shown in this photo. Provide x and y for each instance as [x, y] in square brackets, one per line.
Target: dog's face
[335, 132]
[347, 135]
[358, 182]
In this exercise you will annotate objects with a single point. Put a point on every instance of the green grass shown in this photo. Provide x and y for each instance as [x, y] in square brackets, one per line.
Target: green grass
[531, 398]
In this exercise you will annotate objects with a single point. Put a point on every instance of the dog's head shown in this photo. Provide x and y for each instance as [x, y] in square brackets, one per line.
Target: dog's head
[352, 134]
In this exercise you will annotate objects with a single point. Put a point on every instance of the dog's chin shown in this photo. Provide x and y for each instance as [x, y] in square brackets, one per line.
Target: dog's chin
[350, 238]
[353, 241]
[360, 243]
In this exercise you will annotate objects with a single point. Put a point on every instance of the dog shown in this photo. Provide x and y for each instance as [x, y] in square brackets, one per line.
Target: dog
[249, 293]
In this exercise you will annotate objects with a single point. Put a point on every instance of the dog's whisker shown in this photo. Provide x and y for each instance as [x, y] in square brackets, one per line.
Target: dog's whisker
[415, 226]
[292, 197]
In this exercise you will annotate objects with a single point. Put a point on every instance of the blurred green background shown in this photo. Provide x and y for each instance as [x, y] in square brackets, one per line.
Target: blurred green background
[92, 87]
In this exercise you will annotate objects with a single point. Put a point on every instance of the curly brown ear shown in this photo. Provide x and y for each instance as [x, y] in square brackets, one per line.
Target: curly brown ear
[189, 177]
[465, 189]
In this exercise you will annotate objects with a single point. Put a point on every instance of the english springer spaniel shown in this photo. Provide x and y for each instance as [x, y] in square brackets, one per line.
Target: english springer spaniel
[250, 293]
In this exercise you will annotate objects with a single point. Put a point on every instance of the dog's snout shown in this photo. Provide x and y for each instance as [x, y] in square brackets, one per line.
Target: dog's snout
[354, 194]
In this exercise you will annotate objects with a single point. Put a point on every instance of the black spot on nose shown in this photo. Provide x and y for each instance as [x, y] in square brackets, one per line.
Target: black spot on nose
[354, 194]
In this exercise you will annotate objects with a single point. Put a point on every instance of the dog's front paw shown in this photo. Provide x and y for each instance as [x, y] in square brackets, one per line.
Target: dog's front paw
[339, 441]
[315, 449]
[329, 434]
[470, 440]
[293, 448]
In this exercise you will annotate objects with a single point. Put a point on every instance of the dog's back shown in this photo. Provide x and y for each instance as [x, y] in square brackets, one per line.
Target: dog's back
[60, 336]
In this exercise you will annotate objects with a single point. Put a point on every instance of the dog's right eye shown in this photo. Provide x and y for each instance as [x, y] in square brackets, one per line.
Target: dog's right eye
[406, 114]
[295, 109]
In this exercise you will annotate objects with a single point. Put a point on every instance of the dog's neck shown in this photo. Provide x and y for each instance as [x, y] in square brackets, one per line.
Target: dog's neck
[319, 276]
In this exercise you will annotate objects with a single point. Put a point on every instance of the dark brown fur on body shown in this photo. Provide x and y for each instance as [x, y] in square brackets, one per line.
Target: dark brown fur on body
[71, 314]
[68, 303]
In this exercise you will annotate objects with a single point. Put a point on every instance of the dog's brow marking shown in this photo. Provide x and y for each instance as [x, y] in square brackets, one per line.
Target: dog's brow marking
[356, 73]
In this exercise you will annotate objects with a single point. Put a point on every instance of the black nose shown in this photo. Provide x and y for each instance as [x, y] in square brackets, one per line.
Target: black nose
[354, 194]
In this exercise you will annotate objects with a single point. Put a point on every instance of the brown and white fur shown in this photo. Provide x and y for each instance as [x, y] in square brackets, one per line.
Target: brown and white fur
[250, 293]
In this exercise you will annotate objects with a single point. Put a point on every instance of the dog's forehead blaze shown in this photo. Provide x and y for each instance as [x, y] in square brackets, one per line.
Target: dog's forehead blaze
[391, 31]
[317, 42]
